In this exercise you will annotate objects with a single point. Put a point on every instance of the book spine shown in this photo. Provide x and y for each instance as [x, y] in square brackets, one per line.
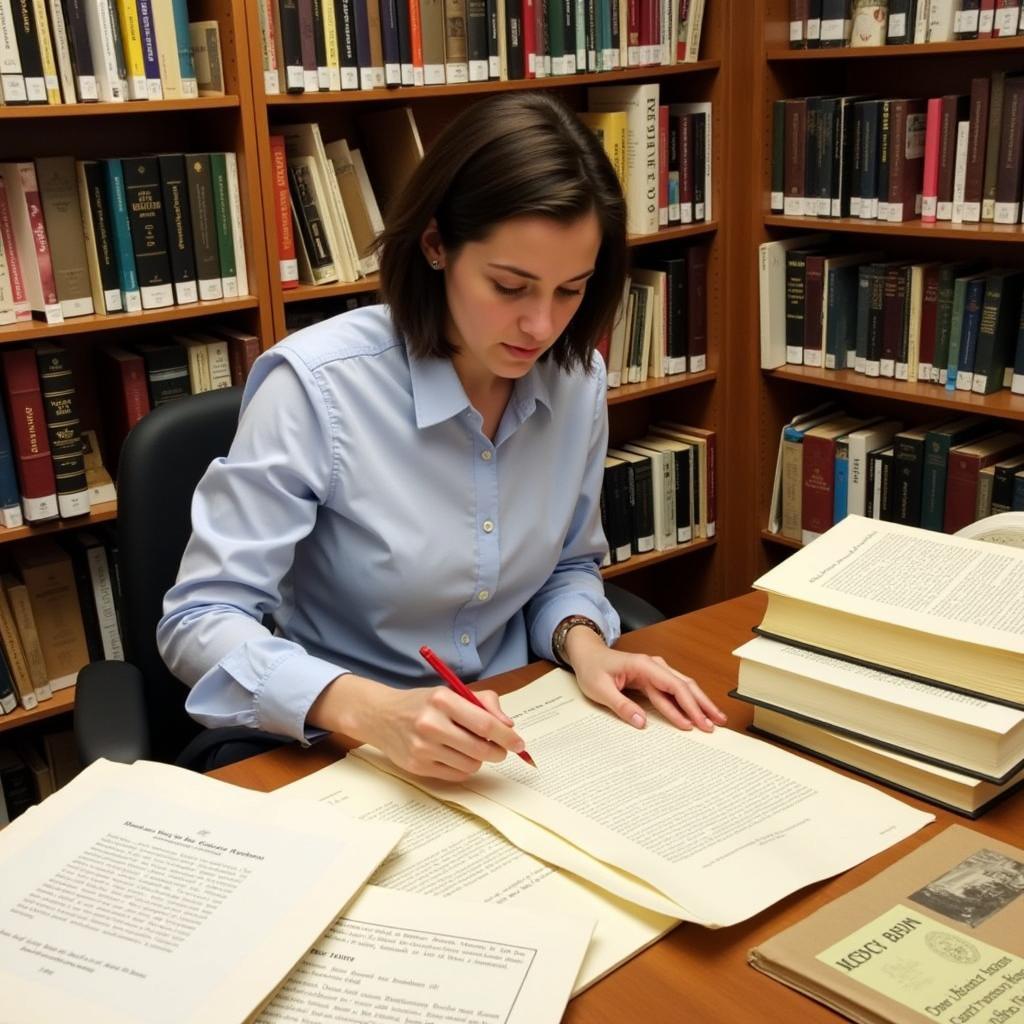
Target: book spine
[348, 58]
[32, 449]
[391, 48]
[997, 91]
[291, 46]
[961, 490]
[947, 157]
[818, 496]
[81, 52]
[150, 54]
[62, 50]
[62, 215]
[178, 217]
[222, 225]
[204, 225]
[696, 309]
[149, 231]
[1011, 149]
[10, 497]
[28, 50]
[288, 267]
[21, 609]
[103, 598]
[235, 209]
[51, 307]
[323, 73]
[100, 23]
[930, 185]
[131, 37]
[964, 368]
[60, 405]
[131, 297]
[974, 175]
[189, 86]
[19, 291]
[12, 82]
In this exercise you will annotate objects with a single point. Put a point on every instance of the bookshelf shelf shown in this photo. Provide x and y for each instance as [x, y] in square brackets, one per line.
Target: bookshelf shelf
[61, 701]
[36, 330]
[36, 111]
[907, 229]
[658, 386]
[777, 538]
[1001, 403]
[426, 92]
[652, 558]
[966, 46]
[99, 514]
[305, 292]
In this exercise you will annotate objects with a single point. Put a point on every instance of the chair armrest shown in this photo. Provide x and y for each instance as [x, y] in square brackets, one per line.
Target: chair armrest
[634, 612]
[110, 713]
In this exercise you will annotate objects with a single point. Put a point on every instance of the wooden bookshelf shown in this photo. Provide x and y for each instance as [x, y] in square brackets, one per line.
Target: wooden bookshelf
[35, 112]
[654, 558]
[774, 396]
[98, 514]
[691, 398]
[61, 701]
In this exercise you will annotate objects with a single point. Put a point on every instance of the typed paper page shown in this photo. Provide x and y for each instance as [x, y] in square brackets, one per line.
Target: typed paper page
[150, 893]
[721, 823]
[402, 958]
[446, 852]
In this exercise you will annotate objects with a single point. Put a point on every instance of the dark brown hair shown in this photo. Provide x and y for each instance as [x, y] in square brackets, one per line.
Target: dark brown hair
[512, 155]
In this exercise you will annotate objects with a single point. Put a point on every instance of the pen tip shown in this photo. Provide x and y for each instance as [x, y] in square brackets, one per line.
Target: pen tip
[529, 760]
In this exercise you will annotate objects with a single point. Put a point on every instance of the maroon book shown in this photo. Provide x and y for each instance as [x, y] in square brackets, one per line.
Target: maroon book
[954, 109]
[31, 442]
[814, 299]
[965, 465]
[974, 183]
[685, 123]
[907, 119]
[121, 380]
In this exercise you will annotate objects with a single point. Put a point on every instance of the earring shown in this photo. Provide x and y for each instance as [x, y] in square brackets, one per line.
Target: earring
[435, 264]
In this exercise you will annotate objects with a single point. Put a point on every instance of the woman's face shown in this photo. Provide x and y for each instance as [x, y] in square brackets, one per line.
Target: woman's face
[511, 295]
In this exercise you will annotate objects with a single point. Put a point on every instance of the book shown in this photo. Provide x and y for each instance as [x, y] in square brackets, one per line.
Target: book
[178, 223]
[97, 233]
[944, 915]
[204, 37]
[10, 497]
[204, 225]
[21, 607]
[144, 197]
[931, 607]
[944, 728]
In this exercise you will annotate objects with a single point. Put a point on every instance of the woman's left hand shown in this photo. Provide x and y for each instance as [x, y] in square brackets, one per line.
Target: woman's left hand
[603, 674]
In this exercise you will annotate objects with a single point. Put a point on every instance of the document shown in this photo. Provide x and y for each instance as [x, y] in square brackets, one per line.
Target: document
[723, 824]
[401, 958]
[448, 853]
[150, 893]
[938, 936]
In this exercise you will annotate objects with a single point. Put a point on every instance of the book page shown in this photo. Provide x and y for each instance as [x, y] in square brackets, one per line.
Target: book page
[929, 582]
[722, 823]
[847, 675]
[150, 893]
[403, 958]
[446, 852]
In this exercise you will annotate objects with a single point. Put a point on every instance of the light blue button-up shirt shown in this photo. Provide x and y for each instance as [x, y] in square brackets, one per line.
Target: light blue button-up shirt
[363, 508]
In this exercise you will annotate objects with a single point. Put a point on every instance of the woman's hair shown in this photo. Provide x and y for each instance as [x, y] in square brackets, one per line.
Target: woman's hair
[512, 155]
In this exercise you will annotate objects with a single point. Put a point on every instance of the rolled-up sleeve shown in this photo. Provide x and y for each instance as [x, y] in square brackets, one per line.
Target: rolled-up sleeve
[249, 511]
[575, 587]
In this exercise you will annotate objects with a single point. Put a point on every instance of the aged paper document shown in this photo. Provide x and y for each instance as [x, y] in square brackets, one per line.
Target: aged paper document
[150, 893]
[722, 824]
[402, 958]
[446, 852]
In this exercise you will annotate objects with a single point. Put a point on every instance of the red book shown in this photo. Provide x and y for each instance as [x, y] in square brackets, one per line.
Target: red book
[530, 38]
[34, 204]
[684, 10]
[986, 19]
[121, 380]
[243, 351]
[930, 185]
[286, 261]
[31, 442]
[819, 461]
[906, 158]
[22, 309]
[633, 50]
[415, 40]
[964, 467]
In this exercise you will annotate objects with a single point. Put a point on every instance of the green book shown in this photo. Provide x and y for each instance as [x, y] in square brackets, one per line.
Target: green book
[222, 222]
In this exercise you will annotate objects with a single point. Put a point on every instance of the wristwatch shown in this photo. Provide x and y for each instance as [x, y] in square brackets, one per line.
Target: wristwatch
[561, 632]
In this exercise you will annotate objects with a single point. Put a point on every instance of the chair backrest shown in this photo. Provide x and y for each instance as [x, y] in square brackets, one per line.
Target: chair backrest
[162, 460]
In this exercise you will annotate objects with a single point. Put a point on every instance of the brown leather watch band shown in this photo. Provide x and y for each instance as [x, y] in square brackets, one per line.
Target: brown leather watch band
[561, 633]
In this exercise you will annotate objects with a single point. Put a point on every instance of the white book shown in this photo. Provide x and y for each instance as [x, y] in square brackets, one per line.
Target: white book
[11, 81]
[7, 314]
[617, 342]
[707, 212]
[219, 361]
[963, 130]
[100, 24]
[237, 231]
[663, 478]
[640, 102]
[921, 21]
[103, 596]
[986, 21]
[859, 444]
[657, 312]
[772, 293]
[167, 49]
[1007, 21]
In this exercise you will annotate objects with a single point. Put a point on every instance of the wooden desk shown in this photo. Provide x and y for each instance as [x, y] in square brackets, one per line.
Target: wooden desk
[693, 974]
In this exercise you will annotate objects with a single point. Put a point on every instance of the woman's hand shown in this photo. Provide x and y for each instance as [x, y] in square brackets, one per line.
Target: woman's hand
[603, 674]
[424, 731]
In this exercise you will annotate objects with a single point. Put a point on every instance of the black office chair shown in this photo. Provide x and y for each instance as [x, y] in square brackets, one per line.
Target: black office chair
[134, 709]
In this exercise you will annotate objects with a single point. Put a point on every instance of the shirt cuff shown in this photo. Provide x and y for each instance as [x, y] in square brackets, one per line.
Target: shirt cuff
[562, 607]
[288, 691]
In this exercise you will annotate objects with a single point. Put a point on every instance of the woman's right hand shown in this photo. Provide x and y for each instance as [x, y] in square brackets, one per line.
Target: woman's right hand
[425, 731]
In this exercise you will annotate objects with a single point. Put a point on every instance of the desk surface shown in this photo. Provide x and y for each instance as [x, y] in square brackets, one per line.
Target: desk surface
[692, 974]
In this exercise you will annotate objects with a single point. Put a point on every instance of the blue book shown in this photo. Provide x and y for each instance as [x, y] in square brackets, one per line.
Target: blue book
[841, 481]
[147, 32]
[973, 302]
[124, 251]
[189, 88]
[10, 496]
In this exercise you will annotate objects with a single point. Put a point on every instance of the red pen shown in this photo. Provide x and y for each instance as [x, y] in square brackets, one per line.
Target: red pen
[456, 684]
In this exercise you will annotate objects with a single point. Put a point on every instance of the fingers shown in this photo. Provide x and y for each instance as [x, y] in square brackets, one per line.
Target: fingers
[706, 704]
[489, 731]
[607, 693]
[490, 700]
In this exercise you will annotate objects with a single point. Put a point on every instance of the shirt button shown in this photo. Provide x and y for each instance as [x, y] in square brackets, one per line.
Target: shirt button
[488, 526]
[464, 639]
[486, 455]
[483, 595]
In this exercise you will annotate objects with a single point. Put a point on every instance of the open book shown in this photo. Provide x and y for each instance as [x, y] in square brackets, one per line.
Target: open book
[940, 609]
[937, 936]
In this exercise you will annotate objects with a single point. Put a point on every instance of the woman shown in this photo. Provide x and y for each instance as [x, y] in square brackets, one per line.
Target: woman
[429, 471]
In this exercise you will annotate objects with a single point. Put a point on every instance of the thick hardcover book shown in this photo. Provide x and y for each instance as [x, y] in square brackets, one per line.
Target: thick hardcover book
[894, 308]
[908, 472]
[906, 158]
[121, 379]
[26, 34]
[974, 181]
[178, 217]
[124, 249]
[243, 351]
[796, 279]
[814, 297]
[884, 158]
[938, 443]
[98, 236]
[204, 225]
[616, 513]
[871, 114]
[166, 371]
[348, 57]
[10, 496]
[968, 19]
[965, 464]
[963, 366]
[795, 164]
[997, 331]
[307, 46]
[149, 231]
[223, 225]
[1011, 148]
[290, 63]
[31, 442]
[316, 249]
[954, 110]
[997, 95]
[819, 448]
[58, 189]
[288, 268]
[150, 53]
[641, 498]
[902, 15]
[80, 51]
[60, 407]
[323, 74]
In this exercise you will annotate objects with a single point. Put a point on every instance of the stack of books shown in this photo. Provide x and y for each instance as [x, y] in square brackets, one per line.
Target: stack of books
[899, 654]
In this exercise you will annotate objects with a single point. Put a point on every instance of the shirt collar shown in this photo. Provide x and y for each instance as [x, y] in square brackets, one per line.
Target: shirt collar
[437, 392]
